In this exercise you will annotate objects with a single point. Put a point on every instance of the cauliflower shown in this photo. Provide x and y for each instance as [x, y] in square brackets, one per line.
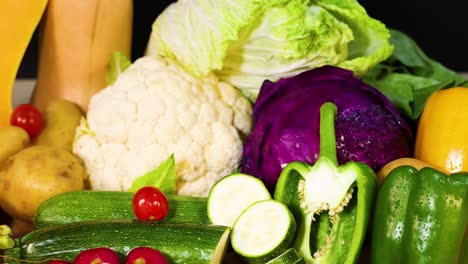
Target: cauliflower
[155, 109]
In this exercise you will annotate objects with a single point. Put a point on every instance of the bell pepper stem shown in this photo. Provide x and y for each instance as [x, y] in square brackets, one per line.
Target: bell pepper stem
[327, 133]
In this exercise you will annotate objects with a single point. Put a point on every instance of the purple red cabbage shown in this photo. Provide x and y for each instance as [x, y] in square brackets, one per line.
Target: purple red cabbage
[286, 116]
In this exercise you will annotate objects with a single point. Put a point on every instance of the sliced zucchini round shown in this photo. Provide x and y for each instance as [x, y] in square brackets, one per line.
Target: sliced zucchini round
[290, 256]
[231, 195]
[263, 231]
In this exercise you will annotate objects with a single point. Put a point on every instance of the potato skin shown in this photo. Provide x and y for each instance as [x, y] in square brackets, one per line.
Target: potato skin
[61, 118]
[35, 174]
[12, 140]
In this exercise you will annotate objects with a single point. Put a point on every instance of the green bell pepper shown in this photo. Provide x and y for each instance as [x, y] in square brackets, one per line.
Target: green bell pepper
[311, 190]
[420, 217]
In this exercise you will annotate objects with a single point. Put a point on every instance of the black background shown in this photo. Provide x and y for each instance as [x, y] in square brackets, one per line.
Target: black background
[439, 27]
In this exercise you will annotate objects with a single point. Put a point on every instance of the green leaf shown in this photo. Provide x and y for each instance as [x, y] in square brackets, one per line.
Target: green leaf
[409, 76]
[162, 177]
[117, 64]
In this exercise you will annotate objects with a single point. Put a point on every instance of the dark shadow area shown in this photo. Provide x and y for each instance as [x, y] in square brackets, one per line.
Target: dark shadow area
[439, 27]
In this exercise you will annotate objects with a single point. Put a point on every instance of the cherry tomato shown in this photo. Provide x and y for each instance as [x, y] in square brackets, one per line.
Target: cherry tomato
[149, 203]
[145, 255]
[99, 255]
[29, 118]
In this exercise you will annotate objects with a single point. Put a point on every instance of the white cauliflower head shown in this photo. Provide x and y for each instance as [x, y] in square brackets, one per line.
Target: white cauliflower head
[155, 109]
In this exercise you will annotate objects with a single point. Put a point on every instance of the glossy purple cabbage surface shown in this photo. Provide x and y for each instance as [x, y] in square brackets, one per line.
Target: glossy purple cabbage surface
[286, 123]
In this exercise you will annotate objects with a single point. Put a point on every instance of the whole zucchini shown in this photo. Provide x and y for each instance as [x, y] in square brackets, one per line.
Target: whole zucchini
[180, 242]
[77, 206]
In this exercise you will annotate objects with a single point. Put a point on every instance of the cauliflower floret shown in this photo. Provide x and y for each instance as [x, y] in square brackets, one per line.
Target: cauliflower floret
[155, 109]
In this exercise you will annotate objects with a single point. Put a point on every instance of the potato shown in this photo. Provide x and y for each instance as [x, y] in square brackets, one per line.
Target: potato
[61, 118]
[12, 140]
[35, 174]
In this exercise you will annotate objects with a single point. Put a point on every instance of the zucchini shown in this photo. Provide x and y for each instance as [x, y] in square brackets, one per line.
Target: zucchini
[77, 206]
[263, 231]
[179, 242]
[290, 256]
[231, 195]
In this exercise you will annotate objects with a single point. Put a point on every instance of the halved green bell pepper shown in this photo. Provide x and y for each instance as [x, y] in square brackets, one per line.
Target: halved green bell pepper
[420, 217]
[347, 192]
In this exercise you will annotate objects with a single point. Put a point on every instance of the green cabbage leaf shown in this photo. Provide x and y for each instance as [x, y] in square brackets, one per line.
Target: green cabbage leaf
[245, 42]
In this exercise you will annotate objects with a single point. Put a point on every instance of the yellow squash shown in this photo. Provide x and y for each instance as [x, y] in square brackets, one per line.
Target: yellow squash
[18, 21]
[442, 134]
[385, 170]
[76, 42]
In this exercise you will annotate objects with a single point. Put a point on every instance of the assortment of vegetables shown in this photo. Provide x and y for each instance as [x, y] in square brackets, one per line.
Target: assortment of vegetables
[310, 191]
[179, 242]
[224, 205]
[267, 131]
[86, 205]
[138, 255]
[154, 109]
[246, 42]
[36, 162]
[262, 228]
[286, 123]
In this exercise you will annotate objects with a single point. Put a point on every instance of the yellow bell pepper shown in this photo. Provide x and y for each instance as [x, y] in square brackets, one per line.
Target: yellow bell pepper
[18, 21]
[442, 134]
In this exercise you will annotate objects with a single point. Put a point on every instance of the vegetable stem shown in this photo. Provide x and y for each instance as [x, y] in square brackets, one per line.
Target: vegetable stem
[327, 132]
